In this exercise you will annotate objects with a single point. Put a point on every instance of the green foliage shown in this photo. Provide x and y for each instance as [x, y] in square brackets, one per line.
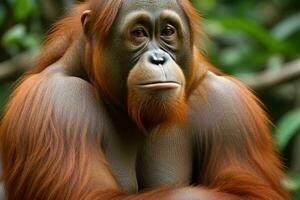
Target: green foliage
[251, 36]
[22, 8]
[287, 27]
[254, 30]
[14, 37]
[18, 38]
[246, 36]
[2, 14]
[5, 91]
[287, 127]
[293, 184]
[22, 33]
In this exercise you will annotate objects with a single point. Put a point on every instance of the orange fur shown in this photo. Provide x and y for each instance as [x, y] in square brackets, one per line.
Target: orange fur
[50, 131]
[245, 165]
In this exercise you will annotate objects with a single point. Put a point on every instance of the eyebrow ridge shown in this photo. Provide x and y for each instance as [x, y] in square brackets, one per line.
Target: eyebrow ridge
[136, 16]
[173, 16]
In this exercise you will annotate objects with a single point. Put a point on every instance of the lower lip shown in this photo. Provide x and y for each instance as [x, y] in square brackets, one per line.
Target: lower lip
[166, 85]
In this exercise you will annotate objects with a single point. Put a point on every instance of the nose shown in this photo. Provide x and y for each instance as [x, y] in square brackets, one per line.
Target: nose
[158, 58]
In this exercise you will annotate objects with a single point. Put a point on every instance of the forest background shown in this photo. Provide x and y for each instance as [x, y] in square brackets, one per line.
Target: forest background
[256, 41]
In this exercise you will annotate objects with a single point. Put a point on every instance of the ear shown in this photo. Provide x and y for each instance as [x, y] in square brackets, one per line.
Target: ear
[85, 21]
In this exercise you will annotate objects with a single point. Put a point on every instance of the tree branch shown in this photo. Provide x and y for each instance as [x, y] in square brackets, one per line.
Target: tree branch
[268, 79]
[17, 65]
[261, 81]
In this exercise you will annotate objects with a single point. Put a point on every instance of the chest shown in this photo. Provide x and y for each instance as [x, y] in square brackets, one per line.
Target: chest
[143, 162]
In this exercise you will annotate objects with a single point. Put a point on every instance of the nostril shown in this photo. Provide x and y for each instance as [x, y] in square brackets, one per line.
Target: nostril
[157, 59]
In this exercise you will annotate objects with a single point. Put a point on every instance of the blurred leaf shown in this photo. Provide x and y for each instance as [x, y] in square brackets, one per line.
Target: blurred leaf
[231, 56]
[287, 127]
[12, 49]
[255, 30]
[213, 27]
[275, 62]
[2, 14]
[22, 9]
[14, 35]
[5, 91]
[292, 183]
[287, 27]
[13, 38]
[32, 42]
[204, 5]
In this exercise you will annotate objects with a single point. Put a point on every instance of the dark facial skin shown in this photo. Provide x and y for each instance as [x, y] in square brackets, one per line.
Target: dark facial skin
[153, 35]
[147, 61]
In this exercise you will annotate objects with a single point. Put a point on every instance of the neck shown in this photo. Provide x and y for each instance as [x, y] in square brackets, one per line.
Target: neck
[73, 60]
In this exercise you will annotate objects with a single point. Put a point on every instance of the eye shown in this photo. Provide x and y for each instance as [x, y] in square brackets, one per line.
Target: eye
[168, 31]
[139, 33]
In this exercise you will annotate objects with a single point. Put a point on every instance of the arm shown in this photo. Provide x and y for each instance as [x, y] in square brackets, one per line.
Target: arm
[234, 150]
[50, 145]
[49, 140]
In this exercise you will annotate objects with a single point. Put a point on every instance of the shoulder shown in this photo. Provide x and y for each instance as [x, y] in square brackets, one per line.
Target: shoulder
[219, 91]
[222, 100]
[56, 85]
[54, 77]
[59, 103]
[64, 96]
[224, 86]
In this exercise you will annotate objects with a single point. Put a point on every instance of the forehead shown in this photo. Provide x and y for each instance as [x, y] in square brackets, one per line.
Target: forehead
[152, 6]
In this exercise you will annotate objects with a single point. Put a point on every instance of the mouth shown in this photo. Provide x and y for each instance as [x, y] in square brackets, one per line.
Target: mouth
[160, 85]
